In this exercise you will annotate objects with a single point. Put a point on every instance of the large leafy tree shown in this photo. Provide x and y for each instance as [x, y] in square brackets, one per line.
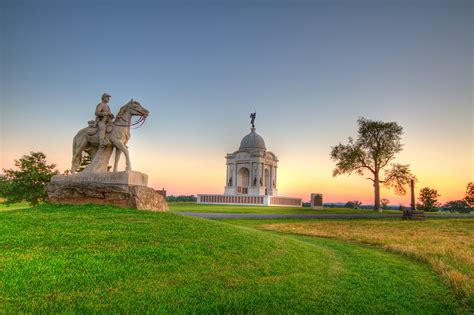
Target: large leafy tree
[373, 153]
[27, 182]
[428, 199]
[470, 194]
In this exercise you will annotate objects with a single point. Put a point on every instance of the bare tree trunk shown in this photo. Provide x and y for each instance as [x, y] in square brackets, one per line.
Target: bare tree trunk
[377, 192]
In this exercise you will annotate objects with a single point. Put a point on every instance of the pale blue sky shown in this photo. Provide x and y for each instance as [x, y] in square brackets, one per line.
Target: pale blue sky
[309, 68]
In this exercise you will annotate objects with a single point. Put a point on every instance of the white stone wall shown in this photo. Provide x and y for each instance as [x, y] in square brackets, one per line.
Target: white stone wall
[249, 200]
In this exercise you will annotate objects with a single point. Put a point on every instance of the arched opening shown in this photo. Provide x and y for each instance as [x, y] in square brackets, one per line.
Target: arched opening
[268, 181]
[318, 200]
[243, 180]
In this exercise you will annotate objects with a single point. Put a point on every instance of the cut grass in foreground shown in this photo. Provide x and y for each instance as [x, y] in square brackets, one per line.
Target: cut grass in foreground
[447, 245]
[14, 206]
[194, 207]
[104, 259]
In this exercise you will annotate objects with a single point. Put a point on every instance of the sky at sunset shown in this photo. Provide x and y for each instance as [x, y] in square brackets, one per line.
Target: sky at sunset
[310, 69]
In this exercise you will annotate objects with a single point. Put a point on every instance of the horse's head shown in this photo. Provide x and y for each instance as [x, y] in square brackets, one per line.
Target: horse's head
[132, 108]
[136, 109]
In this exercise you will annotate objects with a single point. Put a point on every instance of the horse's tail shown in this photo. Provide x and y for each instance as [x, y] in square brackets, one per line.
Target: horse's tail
[76, 153]
[75, 148]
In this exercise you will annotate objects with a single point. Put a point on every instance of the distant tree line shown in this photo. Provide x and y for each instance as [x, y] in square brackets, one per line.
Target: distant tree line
[183, 198]
[427, 201]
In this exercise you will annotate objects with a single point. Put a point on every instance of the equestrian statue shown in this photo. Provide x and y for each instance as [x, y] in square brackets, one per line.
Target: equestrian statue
[106, 133]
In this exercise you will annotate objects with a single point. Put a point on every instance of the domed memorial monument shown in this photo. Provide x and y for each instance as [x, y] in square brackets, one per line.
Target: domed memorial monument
[251, 175]
[96, 184]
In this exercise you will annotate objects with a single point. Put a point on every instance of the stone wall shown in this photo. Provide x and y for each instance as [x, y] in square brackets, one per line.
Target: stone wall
[250, 200]
[224, 199]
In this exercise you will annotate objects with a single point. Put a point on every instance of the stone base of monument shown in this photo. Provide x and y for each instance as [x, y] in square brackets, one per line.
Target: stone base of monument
[248, 200]
[121, 189]
[413, 215]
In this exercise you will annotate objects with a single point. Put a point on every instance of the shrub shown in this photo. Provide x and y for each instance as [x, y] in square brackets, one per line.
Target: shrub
[27, 183]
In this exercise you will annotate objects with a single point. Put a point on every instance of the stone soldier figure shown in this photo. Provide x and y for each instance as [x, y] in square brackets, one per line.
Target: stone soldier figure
[103, 116]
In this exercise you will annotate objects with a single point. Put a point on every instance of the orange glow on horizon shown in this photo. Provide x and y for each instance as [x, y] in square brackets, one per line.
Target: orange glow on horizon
[182, 174]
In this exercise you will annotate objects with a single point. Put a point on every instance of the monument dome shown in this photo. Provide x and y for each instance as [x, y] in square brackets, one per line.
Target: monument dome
[252, 141]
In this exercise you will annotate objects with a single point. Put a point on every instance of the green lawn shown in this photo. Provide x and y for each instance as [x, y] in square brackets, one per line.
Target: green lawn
[103, 259]
[15, 206]
[445, 244]
[194, 207]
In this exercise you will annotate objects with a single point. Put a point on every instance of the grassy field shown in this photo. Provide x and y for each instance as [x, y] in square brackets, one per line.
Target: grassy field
[447, 245]
[15, 206]
[103, 259]
[193, 207]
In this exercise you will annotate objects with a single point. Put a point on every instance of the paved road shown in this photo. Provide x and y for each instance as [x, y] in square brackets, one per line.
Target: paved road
[208, 215]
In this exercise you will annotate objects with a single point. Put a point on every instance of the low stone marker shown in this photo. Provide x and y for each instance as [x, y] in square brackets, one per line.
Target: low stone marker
[413, 215]
[317, 201]
[126, 189]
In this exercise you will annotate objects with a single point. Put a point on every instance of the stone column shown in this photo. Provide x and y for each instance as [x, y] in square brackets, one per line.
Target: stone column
[227, 175]
[258, 174]
[276, 182]
[250, 174]
[271, 176]
[254, 173]
[412, 191]
[234, 182]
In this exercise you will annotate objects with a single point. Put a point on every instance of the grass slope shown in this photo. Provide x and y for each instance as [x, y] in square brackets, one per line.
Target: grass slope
[447, 245]
[104, 259]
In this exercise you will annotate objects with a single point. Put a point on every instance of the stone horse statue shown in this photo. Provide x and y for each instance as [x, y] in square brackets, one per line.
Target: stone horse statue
[118, 133]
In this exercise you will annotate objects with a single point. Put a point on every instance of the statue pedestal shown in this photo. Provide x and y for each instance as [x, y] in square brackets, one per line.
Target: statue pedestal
[115, 178]
[121, 189]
